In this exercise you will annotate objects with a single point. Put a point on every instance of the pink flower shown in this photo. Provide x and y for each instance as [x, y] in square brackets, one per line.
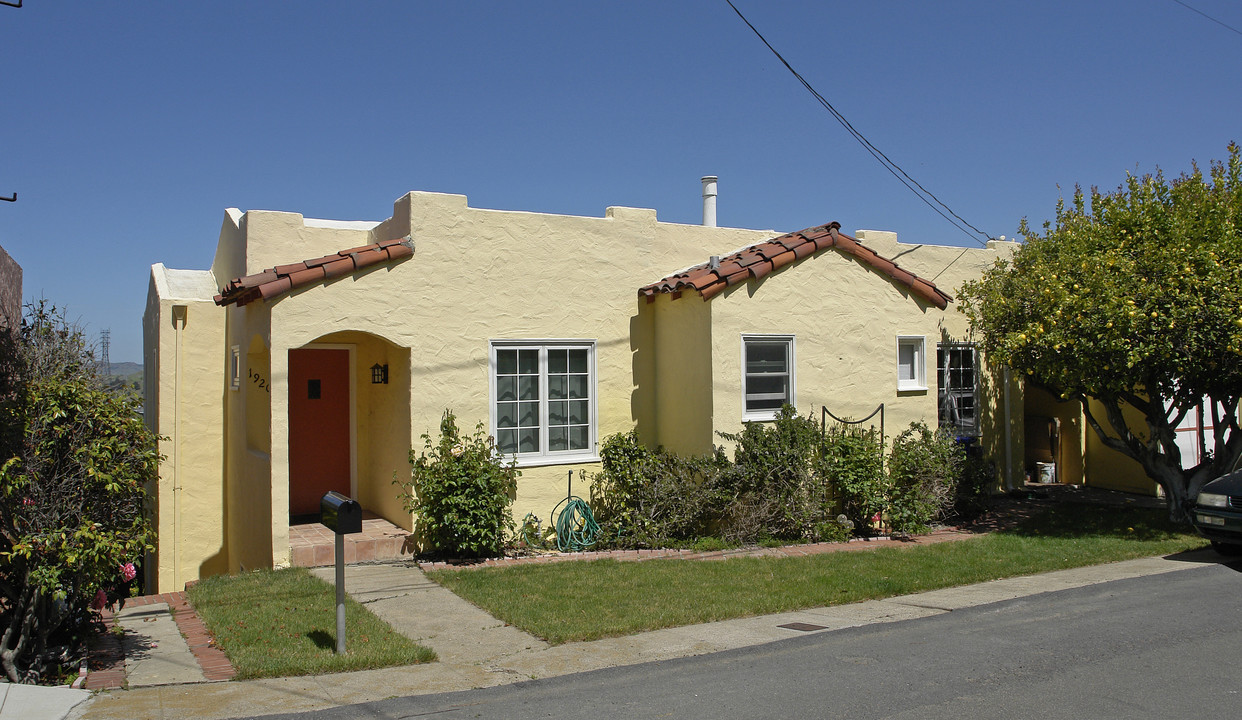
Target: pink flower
[27, 502]
[128, 572]
[101, 599]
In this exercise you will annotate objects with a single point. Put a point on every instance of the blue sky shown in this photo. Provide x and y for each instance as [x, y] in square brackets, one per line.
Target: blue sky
[126, 129]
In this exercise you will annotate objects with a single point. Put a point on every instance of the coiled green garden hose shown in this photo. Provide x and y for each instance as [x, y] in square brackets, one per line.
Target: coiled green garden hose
[576, 529]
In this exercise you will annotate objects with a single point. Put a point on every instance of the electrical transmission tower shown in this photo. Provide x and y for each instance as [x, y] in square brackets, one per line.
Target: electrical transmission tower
[105, 338]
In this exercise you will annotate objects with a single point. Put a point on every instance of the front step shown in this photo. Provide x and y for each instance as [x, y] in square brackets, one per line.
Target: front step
[313, 545]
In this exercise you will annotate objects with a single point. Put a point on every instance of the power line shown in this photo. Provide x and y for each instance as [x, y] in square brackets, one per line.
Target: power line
[893, 168]
[1209, 17]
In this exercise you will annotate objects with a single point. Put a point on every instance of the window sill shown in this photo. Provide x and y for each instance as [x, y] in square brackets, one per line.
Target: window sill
[549, 460]
[912, 389]
[759, 417]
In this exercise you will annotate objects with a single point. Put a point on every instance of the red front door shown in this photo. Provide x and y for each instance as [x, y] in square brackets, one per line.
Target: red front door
[319, 458]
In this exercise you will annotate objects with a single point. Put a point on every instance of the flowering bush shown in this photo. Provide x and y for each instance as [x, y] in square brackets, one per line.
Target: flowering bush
[74, 459]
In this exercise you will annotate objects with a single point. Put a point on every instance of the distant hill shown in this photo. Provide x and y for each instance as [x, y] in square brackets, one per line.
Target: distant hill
[124, 375]
[121, 369]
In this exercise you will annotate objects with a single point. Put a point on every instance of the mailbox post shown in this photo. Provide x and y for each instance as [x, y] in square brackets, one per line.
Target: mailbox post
[341, 515]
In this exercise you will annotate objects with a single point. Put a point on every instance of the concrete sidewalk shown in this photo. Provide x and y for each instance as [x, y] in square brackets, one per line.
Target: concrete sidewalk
[476, 650]
[36, 702]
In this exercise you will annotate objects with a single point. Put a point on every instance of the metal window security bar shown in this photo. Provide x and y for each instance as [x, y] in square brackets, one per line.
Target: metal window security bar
[956, 367]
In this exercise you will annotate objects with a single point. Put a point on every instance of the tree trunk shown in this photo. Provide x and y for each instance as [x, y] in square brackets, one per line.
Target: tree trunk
[1178, 501]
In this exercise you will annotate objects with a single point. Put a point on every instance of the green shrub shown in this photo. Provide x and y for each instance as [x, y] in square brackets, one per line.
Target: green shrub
[710, 544]
[775, 487]
[838, 529]
[459, 492]
[975, 486]
[924, 467]
[850, 463]
[788, 482]
[651, 498]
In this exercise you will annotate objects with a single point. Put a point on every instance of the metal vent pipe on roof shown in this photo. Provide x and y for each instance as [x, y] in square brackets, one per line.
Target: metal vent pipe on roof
[709, 200]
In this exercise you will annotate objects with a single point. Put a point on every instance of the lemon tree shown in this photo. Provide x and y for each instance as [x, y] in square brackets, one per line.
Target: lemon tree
[1133, 299]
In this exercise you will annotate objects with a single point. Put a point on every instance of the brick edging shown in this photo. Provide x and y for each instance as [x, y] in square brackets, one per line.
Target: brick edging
[690, 554]
[105, 659]
[106, 664]
[211, 659]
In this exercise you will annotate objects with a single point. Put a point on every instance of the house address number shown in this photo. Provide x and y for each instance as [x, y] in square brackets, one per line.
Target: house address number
[258, 379]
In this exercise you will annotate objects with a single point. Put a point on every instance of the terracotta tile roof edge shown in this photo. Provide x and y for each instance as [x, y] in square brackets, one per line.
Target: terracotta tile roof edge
[757, 261]
[274, 282]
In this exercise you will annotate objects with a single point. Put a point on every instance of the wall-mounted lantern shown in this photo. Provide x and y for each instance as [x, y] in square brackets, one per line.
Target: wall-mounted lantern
[379, 374]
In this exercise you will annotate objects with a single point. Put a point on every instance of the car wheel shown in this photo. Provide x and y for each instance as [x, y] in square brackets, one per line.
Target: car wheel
[1225, 548]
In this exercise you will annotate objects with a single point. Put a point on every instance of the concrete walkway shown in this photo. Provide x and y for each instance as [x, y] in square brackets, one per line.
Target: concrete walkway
[476, 650]
[155, 652]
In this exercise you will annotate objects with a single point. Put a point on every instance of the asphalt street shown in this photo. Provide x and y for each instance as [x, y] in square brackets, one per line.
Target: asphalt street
[1161, 646]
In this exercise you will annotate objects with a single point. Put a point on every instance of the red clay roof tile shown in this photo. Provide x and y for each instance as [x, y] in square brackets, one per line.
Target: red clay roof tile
[759, 260]
[338, 267]
[783, 259]
[274, 282]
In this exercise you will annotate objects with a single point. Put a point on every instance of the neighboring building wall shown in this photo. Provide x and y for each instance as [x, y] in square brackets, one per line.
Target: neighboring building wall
[10, 292]
[184, 337]
[1106, 468]
[1055, 429]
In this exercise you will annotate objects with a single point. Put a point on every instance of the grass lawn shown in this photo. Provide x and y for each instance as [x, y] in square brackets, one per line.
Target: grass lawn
[276, 623]
[563, 602]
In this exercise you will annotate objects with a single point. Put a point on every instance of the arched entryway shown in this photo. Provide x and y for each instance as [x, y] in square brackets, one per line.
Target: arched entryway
[349, 431]
[321, 427]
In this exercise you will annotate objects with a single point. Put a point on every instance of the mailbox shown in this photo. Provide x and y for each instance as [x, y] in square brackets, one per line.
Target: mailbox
[340, 514]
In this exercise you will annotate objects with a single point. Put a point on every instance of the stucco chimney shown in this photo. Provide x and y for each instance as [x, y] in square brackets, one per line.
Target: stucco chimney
[709, 200]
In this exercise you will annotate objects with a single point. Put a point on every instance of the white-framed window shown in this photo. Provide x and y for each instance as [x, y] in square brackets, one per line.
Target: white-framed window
[543, 400]
[767, 375]
[957, 374]
[235, 368]
[911, 362]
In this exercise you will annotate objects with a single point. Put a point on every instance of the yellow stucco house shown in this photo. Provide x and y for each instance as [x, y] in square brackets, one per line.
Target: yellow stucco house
[313, 354]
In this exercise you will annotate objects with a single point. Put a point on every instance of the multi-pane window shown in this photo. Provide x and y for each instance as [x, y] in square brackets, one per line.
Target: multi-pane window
[768, 365]
[910, 363]
[543, 399]
[1195, 433]
[958, 397]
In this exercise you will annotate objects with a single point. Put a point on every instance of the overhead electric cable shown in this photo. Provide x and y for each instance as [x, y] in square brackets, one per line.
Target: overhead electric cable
[1209, 17]
[893, 168]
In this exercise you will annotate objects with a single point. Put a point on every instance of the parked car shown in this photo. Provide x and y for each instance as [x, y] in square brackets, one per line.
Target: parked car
[1218, 513]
